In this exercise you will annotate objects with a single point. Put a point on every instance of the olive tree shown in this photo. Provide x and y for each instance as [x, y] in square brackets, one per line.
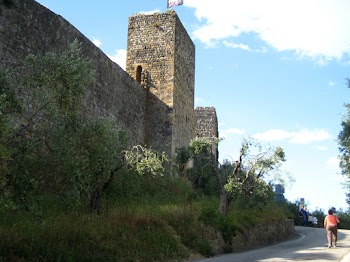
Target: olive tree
[255, 165]
[146, 161]
[9, 108]
[344, 147]
[55, 146]
[245, 177]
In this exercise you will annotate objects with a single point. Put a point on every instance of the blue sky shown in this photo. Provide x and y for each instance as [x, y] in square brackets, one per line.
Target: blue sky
[274, 70]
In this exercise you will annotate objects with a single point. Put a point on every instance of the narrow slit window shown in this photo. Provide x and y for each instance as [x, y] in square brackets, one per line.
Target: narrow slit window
[138, 74]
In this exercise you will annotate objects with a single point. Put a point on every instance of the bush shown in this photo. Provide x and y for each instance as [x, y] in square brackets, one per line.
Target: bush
[77, 237]
[193, 234]
[129, 188]
[224, 224]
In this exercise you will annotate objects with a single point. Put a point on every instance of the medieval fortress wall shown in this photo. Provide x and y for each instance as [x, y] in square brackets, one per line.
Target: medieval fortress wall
[26, 27]
[153, 100]
[207, 124]
[160, 49]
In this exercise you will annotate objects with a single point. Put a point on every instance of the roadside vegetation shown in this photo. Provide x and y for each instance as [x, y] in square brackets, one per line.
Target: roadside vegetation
[71, 189]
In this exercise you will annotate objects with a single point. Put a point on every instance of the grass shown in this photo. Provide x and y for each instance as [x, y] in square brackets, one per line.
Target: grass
[86, 237]
[136, 223]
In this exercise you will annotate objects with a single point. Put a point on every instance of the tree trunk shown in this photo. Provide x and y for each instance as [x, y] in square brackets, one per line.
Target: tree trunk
[224, 202]
[95, 200]
[182, 170]
[95, 196]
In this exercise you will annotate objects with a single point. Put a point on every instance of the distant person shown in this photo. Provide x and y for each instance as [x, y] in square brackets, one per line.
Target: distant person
[310, 220]
[331, 225]
[315, 222]
[304, 216]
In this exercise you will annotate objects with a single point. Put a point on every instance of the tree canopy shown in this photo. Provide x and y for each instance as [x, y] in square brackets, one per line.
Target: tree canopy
[245, 178]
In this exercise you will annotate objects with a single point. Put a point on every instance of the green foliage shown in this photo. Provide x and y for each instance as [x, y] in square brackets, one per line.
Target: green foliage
[82, 159]
[320, 215]
[146, 161]
[9, 104]
[192, 233]
[84, 237]
[142, 218]
[54, 157]
[239, 219]
[59, 81]
[344, 147]
[292, 211]
[49, 112]
[202, 177]
[59, 148]
[183, 155]
[9, 108]
[344, 218]
[222, 223]
[202, 174]
[128, 188]
[203, 145]
[244, 179]
[344, 144]
[255, 165]
[257, 194]
[261, 161]
[157, 226]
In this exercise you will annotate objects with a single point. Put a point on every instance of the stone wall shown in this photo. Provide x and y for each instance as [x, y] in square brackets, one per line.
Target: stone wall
[27, 27]
[207, 124]
[257, 236]
[153, 101]
[160, 55]
[184, 72]
[263, 234]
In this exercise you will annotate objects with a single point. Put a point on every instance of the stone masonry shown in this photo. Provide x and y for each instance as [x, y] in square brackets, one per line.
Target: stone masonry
[161, 56]
[207, 124]
[27, 27]
[153, 101]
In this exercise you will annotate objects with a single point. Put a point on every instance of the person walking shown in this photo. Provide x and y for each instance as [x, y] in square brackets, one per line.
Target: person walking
[304, 216]
[331, 225]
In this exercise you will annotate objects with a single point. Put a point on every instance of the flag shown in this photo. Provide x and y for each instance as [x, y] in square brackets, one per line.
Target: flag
[172, 3]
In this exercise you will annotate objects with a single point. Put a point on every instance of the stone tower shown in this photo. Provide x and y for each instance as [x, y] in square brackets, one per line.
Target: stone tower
[207, 124]
[161, 57]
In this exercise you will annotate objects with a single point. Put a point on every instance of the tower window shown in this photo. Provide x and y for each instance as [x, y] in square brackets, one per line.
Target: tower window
[138, 73]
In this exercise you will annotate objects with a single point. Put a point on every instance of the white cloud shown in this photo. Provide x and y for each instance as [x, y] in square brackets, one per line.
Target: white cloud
[119, 57]
[234, 45]
[228, 133]
[243, 47]
[331, 83]
[301, 137]
[315, 28]
[201, 102]
[309, 136]
[321, 148]
[272, 135]
[96, 42]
